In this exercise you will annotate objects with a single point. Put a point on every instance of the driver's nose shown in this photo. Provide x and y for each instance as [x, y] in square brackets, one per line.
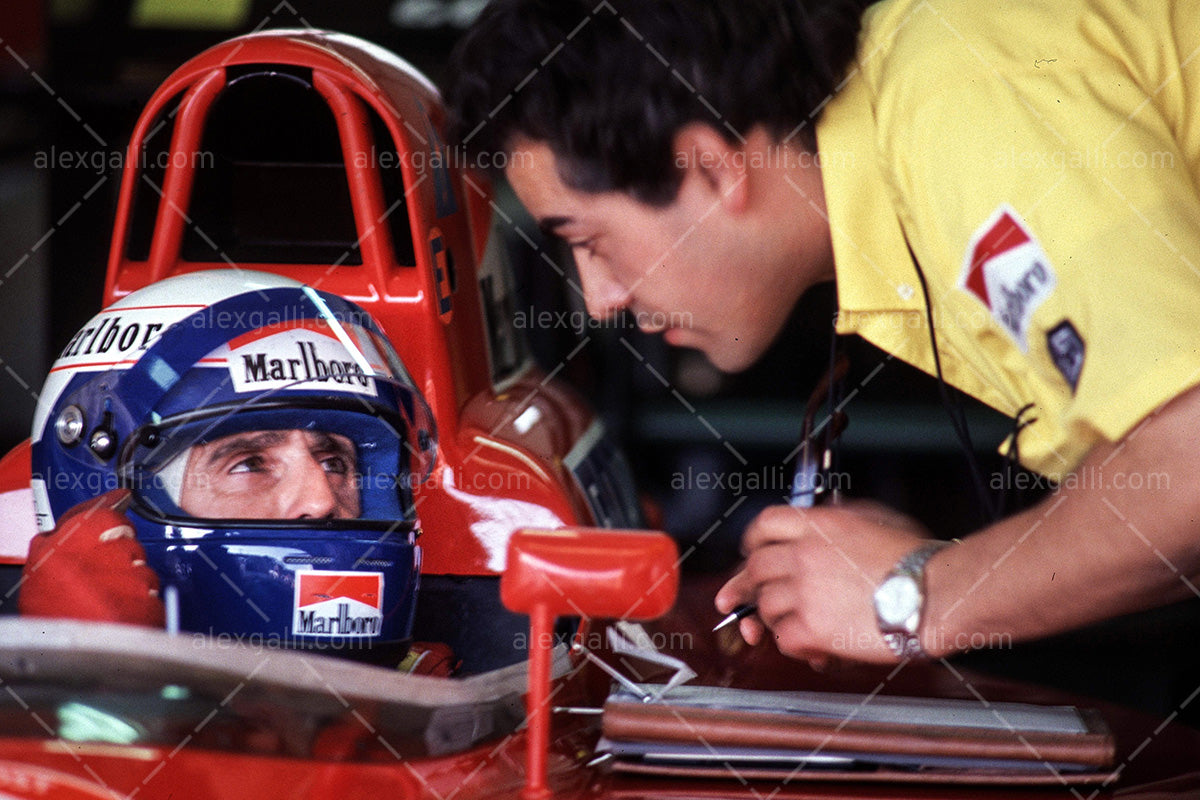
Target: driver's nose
[308, 493]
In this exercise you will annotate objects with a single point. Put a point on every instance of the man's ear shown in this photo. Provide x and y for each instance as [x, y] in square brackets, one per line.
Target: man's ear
[702, 151]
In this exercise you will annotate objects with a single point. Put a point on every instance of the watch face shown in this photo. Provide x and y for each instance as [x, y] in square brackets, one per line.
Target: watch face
[897, 599]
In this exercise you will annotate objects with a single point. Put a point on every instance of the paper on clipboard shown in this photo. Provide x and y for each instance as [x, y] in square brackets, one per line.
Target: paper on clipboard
[631, 639]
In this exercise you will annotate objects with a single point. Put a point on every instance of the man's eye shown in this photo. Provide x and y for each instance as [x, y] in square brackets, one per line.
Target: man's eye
[587, 245]
[248, 464]
[336, 465]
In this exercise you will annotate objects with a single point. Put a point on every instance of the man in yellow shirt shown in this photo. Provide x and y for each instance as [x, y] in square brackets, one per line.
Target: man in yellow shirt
[1025, 175]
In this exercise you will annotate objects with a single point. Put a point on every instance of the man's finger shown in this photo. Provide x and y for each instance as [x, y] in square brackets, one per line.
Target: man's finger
[782, 524]
[751, 630]
[775, 561]
[737, 590]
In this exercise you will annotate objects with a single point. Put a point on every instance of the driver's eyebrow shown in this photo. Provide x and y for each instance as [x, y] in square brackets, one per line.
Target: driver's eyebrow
[241, 443]
[550, 225]
[326, 442]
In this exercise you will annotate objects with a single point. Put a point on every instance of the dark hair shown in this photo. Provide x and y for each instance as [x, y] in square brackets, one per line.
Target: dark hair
[607, 84]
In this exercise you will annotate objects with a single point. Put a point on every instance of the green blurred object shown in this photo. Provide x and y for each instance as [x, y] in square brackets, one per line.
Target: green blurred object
[195, 14]
[78, 722]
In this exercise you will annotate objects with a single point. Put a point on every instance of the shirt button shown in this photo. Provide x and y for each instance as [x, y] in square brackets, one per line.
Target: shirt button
[905, 291]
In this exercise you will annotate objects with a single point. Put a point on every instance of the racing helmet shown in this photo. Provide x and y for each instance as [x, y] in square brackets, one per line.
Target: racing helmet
[271, 439]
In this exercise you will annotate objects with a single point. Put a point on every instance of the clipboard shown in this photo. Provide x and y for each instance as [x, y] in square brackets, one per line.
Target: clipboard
[718, 732]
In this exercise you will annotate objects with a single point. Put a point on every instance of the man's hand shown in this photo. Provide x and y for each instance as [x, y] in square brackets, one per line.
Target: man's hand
[1117, 536]
[91, 567]
[813, 573]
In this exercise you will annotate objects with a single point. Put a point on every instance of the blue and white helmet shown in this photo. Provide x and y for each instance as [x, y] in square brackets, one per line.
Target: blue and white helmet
[217, 363]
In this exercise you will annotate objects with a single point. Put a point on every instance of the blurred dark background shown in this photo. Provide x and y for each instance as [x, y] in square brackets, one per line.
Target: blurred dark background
[74, 75]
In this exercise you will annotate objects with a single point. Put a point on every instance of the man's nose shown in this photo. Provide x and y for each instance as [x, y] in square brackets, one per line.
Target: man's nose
[309, 494]
[603, 294]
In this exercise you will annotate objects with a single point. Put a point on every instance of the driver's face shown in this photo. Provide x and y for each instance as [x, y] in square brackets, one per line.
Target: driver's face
[290, 474]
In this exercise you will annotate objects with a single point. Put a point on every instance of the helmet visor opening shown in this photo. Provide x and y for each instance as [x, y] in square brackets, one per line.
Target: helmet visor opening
[316, 460]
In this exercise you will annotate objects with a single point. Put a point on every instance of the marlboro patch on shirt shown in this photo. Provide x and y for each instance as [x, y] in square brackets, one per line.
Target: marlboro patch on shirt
[1007, 270]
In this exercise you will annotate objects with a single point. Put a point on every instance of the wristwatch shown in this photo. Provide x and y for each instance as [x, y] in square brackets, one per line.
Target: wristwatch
[900, 598]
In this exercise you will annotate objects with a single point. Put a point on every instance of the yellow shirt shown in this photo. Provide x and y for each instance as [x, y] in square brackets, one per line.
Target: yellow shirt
[1042, 159]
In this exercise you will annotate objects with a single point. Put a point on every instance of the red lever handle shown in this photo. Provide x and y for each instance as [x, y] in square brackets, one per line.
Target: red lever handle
[589, 572]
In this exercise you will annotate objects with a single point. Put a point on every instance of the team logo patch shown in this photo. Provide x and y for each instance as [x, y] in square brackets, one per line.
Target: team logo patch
[1008, 271]
[335, 604]
[118, 336]
[298, 355]
[1066, 348]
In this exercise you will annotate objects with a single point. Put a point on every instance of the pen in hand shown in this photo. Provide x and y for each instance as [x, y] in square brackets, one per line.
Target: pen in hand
[803, 495]
[738, 613]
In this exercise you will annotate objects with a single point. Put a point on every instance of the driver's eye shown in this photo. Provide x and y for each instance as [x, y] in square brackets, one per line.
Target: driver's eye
[254, 463]
[336, 465]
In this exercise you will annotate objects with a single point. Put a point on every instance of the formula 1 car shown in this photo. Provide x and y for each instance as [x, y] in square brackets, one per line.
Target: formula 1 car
[328, 166]
[320, 157]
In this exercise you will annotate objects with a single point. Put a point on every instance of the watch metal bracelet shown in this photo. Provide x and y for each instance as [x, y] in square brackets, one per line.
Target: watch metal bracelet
[904, 640]
[914, 562]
